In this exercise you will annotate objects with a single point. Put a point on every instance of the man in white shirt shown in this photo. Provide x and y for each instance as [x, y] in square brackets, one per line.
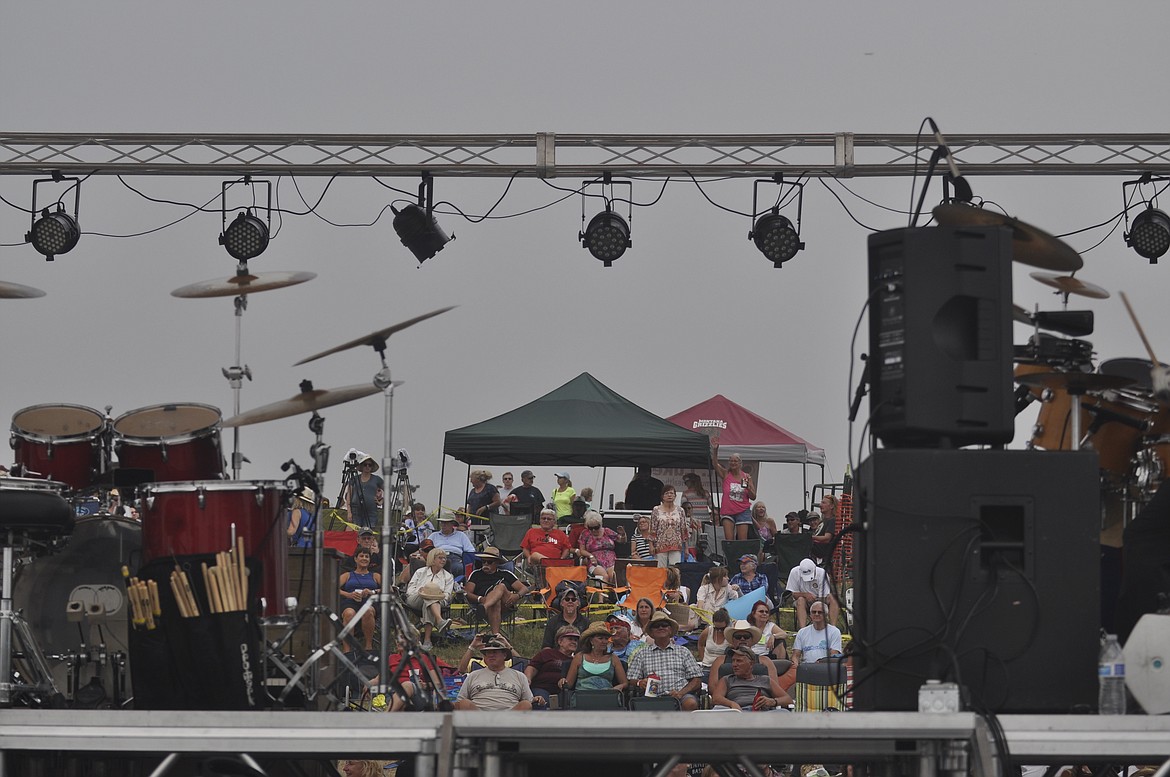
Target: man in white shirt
[808, 583]
[818, 640]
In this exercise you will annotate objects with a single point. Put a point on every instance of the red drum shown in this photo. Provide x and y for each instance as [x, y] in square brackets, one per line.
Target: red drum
[181, 519]
[176, 442]
[87, 570]
[59, 442]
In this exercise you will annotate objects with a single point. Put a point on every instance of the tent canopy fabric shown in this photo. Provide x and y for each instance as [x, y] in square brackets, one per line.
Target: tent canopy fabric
[751, 436]
[583, 423]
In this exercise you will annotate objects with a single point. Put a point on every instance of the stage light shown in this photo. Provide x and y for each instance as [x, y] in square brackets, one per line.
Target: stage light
[775, 235]
[1150, 234]
[54, 233]
[607, 237]
[419, 231]
[776, 238]
[246, 237]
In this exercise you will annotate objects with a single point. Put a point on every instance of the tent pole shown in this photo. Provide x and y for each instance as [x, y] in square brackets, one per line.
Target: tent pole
[602, 501]
[439, 499]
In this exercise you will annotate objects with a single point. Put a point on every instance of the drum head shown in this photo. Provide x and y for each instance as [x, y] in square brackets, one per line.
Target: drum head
[166, 421]
[56, 422]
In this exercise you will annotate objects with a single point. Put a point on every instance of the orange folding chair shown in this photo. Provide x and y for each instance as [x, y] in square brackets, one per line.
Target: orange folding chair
[645, 583]
[555, 573]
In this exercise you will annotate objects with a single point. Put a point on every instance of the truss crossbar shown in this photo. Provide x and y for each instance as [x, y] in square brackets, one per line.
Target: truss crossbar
[548, 155]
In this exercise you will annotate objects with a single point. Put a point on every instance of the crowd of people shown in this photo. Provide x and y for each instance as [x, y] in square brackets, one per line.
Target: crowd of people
[694, 653]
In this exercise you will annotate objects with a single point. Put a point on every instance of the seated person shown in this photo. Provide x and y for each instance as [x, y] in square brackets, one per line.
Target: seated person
[745, 690]
[545, 541]
[674, 592]
[455, 542]
[567, 610]
[773, 639]
[597, 544]
[713, 639]
[493, 591]
[679, 673]
[620, 642]
[595, 668]
[355, 588]
[495, 687]
[415, 561]
[818, 640]
[748, 579]
[416, 527]
[808, 583]
[547, 669]
[715, 591]
[368, 541]
[429, 591]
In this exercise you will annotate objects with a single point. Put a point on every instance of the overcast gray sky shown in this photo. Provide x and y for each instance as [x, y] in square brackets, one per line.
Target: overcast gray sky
[690, 311]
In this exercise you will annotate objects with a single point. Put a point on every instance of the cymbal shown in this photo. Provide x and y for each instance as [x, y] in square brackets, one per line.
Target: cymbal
[1075, 382]
[17, 291]
[1030, 245]
[375, 339]
[1067, 284]
[1022, 315]
[235, 285]
[1137, 370]
[304, 402]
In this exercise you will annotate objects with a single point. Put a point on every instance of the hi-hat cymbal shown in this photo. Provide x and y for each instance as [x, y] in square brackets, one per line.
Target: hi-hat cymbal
[375, 339]
[308, 400]
[235, 285]
[1030, 245]
[1075, 382]
[17, 291]
[1067, 284]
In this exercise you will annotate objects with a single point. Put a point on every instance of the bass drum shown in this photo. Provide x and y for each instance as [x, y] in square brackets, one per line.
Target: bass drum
[88, 570]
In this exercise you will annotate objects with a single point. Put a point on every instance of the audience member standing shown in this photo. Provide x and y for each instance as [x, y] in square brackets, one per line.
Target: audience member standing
[735, 508]
[483, 498]
[669, 530]
[525, 499]
[363, 494]
[562, 496]
[644, 491]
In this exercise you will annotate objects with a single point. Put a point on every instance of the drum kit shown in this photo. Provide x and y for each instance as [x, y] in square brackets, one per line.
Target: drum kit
[69, 530]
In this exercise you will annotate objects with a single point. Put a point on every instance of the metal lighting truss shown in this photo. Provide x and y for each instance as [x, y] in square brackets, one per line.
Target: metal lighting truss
[549, 155]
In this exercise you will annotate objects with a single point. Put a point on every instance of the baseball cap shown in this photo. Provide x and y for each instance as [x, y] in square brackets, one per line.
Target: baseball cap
[808, 569]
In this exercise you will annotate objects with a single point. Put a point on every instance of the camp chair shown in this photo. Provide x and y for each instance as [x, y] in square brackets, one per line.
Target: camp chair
[790, 549]
[507, 532]
[645, 583]
[555, 574]
[821, 685]
[655, 704]
[733, 549]
[600, 700]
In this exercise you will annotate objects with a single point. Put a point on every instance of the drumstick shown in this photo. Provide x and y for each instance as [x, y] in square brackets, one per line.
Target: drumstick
[155, 603]
[192, 605]
[176, 589]
[214, 593]
[144, 596]
[1140, 331]
[243, 573]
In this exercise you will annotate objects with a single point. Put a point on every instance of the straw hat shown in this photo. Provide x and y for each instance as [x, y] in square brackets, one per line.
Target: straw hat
[595, 629]
[744, 626]
[432, 592]
[662, 615]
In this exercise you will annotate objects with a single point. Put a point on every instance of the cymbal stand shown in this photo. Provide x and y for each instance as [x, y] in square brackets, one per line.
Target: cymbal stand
[235, 376]
[382, 380]
[14, 631]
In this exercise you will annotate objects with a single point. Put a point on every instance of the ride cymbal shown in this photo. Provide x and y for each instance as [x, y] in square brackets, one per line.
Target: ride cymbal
[1030, 245]
[1075, 382]
[235, 285]
[17, 291]
[1067, 284]
[375, 339]
[307, 401]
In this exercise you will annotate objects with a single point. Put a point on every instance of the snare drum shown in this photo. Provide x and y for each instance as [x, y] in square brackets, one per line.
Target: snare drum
[182, 519]
[1151, 465]
[59, 442]
[87, 570]
[175, 442]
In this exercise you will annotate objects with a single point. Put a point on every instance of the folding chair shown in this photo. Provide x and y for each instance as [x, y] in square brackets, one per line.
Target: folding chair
[507, 532]
[733, 549]
[821, 685]
[555, 574]
[790, 549]
[655, 704]
[645, 583]
[597, 701]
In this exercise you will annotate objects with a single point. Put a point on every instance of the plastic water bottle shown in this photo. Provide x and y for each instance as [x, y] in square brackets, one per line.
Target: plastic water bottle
[1111, 676]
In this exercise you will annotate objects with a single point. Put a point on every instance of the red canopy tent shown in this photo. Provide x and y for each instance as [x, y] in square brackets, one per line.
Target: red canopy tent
[751, 436]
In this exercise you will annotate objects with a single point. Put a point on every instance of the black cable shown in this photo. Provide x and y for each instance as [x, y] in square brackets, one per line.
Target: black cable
[717, 205]
[867, 200]
[195, 209]
[14, 206]
[914, 176]
[845, 207]
[477, 219]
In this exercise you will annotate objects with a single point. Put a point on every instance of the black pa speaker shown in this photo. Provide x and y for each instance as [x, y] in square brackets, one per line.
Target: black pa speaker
[978, 567]
[940, 336]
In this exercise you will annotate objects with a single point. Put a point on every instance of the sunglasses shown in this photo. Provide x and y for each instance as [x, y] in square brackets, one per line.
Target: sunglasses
[660, 625]
[741, 635]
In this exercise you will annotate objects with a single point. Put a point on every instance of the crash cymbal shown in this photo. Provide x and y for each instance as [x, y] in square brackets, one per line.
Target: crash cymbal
[375, 339]
[308, 400]
[1022, 315]
[1075, 382]
[1030, 245]
[16, 291]
[247, 283]
[1067, 284]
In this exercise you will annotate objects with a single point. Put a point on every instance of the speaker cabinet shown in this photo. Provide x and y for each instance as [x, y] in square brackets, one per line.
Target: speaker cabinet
[940, 337]
[981, 567]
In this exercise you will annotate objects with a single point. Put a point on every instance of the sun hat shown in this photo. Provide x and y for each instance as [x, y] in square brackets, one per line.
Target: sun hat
[661, 616]
[364, 457]
[489, 553]
[448, 518]
[432, 592]
[808, 569]
[595, 629]
[744, 626]
[568, 630]
[307, 494]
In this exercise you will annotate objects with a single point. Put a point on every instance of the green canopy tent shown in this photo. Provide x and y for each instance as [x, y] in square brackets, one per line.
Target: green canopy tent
[583, 423]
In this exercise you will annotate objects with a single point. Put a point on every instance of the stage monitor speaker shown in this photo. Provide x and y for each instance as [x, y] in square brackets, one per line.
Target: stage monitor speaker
[978, 567]
[940, 337]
